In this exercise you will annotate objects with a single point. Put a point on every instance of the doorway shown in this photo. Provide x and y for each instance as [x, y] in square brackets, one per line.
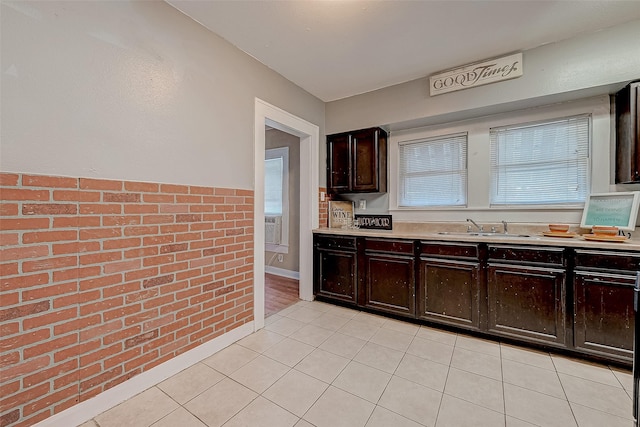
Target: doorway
[274, 117]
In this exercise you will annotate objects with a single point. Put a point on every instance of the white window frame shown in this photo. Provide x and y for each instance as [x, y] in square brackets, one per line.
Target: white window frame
[479, 165]
[274, 153]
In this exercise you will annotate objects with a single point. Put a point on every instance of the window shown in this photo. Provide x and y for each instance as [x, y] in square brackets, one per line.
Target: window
[433, 172]
[276, 197]
[543, 163]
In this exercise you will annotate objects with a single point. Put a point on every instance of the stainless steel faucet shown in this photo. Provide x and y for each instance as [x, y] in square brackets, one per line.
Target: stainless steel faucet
[479, 227]
[506, 231]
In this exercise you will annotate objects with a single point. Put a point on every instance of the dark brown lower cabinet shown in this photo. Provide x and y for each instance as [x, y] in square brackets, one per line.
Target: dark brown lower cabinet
[449, 284]
[336, 268]
[389, 276]
[526, 289]
[604, 317]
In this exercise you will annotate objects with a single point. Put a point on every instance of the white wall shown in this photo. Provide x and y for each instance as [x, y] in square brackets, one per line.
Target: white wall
[134, 91]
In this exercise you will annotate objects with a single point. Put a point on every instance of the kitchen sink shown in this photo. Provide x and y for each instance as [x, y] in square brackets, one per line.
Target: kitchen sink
[482, 233]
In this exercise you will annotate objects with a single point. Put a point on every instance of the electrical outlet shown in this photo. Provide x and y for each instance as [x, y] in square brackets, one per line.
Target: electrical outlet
[322, 196]
[280, 258]
[362, 204]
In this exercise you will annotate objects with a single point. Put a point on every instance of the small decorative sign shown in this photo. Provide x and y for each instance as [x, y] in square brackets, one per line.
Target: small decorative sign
[617, 209]
[375, 222]
[476, 74]
[340, 213]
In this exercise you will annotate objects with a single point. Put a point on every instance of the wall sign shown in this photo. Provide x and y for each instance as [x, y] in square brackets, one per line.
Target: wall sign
[618, 209]
[476, 74]
[340, 214]
[375, 222]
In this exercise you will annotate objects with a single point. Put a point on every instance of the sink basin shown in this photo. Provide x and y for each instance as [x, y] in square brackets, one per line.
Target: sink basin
[482, 233]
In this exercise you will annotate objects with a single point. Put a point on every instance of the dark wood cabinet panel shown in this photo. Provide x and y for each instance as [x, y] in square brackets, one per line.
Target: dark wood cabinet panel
[607, 261]
[357, 162]
[339, 163]
[527, 302]
[390, 283]
[449, 292]
[604, 316]
[336, 268]
[628, 134]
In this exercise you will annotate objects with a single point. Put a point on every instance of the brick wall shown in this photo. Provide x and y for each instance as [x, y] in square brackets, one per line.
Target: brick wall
[101, 280]
[323, 207]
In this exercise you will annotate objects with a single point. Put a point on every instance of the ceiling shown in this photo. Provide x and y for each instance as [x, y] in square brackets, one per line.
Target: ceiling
[335, 49]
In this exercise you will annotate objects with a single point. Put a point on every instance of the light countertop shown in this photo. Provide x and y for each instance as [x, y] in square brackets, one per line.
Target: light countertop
[429, 231]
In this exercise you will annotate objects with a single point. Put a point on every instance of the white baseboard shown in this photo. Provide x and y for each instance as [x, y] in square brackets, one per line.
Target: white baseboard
[282, 272]
[89, 409]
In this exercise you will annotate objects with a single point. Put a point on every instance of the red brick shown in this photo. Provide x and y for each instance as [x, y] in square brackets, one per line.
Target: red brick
[49, 291]
[174, 208]
[99, 258]
[9, 179]
[140, 230]
[121, 198]
[101, 329]
[50, 209]
[158, 240]
[76, 196]
[185, 237]
[100, 184]
[24, 310]
[122, 334]
[99, 208]
[100, 379]
[9, 328]
[171, 188]
[46, 374]
[100, 355]
[21, 194]
[47, 401]
[50, 346]
[24, 253]
[100, 233]
[156, 281]
[157, 260]
[75, 273]
[145, 358]
[100, 282]
[76, 221]
[120, 220]
[102, 305]
[140, 339]
[201, 208]
[8, 224]
[190, 199]
[25, 368]
[157, 323]
[140, 209]
[155, 302]
[9, 359]
[76, 350]
[120, 312]
[72, 377]
[23, 340]
[75, 247]
[140, 296]
[49, 181]
[9, 239]
[157, 219]
[29, 422]
[141, 252]
[122, 243]
[173, 267]
[49, 264]
[208, 191]
[147, 187]
[49, 236]
[9, 269]
[121, 289]
[141, 274]
[158, 198]
[77, 324]
[118, 267]
[122, 357]
[49, 318]
[188, 217]
[215, 200]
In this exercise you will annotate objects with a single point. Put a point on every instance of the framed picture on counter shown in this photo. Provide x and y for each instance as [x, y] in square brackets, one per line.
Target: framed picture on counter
[617, 209]
[340, 213]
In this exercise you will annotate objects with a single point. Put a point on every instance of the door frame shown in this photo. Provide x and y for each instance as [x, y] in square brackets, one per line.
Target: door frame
[309, 134]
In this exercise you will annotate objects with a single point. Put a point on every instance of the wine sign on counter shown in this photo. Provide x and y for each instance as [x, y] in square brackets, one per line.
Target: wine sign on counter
[375, 222]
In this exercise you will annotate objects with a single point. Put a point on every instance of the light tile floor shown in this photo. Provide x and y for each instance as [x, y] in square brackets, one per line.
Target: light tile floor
[316, 364]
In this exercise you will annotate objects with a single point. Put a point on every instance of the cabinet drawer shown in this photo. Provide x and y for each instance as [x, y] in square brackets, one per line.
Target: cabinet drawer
[450, 250]
[390, 246]
[601, 260]
[335, 242]
[526, 255]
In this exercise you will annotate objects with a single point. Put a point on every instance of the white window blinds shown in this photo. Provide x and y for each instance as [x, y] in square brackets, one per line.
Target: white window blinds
[433, 172]
[542, 163]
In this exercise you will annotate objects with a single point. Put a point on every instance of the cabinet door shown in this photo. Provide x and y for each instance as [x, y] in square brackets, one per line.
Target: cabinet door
[390, 283]
[367, 168]
[449, 292]
[336, 275]
[338, 163]
[527, 302]
[604, 317]
[628, 134]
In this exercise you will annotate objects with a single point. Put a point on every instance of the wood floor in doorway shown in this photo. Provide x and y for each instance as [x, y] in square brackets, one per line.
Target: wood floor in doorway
[280, 292]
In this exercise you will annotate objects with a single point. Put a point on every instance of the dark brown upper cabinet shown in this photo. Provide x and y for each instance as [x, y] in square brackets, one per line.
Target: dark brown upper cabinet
[357, 162]
[628, 134]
